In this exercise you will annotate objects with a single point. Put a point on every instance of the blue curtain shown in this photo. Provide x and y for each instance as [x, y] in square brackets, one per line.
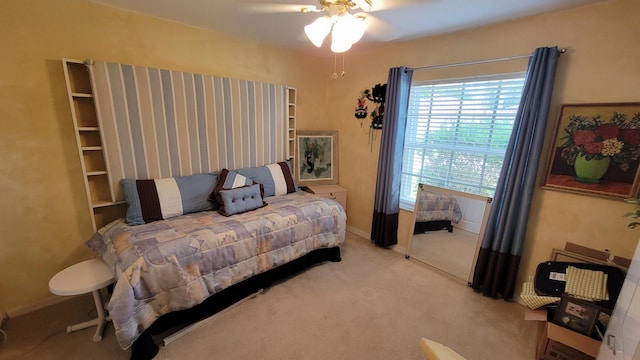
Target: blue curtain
[384, 229]
[499, 258]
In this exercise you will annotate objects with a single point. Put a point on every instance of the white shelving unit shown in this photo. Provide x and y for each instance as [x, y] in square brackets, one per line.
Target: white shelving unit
[291, 122]
[89, 141]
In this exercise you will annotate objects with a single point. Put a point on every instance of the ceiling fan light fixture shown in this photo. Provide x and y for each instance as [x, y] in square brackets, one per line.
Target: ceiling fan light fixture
[353, 27]
[318, 30]
[346, 29]
[339, 42]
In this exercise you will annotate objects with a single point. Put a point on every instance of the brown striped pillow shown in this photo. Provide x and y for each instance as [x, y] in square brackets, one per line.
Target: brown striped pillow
[276, 178]
[157, 199]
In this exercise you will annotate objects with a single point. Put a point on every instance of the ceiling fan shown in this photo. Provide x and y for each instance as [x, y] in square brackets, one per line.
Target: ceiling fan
[344, 5]
[346, 20]
[346, 29]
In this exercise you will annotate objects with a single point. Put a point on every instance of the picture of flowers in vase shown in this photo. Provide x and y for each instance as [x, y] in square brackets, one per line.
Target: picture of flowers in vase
[597, 150]
[593, 144]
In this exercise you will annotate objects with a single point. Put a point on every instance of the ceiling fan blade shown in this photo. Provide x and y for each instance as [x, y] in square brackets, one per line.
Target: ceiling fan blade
[274, 8]
[379, 5]
[379, 30]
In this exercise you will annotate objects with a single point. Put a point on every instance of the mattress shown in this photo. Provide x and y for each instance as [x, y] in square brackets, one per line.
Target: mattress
[177, 263]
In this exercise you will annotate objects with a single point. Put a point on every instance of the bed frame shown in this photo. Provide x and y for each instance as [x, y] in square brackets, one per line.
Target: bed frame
[435, 225]
[146, 348]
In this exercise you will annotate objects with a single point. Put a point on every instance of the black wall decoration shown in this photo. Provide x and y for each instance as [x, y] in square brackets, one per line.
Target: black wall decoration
[376, 95]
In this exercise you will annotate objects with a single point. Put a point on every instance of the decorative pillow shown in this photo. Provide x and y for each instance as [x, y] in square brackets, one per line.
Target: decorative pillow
[277, 178]
[231, 180]
[228, 180]
[241, 199]
[157, 199]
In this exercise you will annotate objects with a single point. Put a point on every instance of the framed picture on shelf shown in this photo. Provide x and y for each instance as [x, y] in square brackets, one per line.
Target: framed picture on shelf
[595, 150]
[577, 315]
[316, 160]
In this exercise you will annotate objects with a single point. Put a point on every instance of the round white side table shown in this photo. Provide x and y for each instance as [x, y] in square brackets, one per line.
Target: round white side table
[84, 277]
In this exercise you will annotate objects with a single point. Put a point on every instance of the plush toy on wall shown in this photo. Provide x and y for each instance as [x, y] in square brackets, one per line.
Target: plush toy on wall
[361, 109]
[377, 95]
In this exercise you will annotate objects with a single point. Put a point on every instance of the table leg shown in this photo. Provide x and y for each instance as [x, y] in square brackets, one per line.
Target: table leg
[100, 321]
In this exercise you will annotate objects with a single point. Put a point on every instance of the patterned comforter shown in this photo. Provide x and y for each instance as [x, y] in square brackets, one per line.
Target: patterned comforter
[177, 263]
[434, 207]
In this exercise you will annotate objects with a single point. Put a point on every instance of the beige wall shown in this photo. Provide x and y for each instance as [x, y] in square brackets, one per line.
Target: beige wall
[601, 65]
[44, 216]
[44, 213]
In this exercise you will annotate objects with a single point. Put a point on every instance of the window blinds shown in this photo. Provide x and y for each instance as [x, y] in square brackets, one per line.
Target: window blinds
[458, 131]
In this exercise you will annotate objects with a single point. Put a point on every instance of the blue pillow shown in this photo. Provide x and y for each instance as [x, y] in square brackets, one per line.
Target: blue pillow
[229, 180]
[156, 199]
[277, 178]
[240, 199]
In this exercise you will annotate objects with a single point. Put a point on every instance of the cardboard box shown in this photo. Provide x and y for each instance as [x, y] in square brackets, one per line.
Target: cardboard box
[558, 343]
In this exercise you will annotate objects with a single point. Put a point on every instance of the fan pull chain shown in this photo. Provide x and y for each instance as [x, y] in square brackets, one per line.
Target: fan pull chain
[335, 66]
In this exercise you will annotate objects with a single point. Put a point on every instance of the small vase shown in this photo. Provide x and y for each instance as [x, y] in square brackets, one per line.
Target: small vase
[590, 171]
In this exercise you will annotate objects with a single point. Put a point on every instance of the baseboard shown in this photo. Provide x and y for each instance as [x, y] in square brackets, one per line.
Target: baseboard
[397, 248]
[358, 232]
[41, 304]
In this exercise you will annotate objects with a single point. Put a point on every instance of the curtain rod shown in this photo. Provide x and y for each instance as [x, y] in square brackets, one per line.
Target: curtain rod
[560, 51]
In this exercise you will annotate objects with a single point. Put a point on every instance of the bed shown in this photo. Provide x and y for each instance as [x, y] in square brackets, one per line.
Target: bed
[213, 214]
[436, 211]
[166, 261]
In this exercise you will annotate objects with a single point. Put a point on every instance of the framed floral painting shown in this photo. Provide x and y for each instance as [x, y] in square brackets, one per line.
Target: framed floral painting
[596, 150]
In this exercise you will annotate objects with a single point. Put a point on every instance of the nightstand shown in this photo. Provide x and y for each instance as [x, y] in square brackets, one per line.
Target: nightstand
[334, 192]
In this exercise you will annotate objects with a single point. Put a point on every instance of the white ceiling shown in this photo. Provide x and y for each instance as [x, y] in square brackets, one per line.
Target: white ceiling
[281, 22]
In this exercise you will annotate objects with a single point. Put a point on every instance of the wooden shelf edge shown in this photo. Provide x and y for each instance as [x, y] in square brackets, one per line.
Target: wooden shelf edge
[101, 204]
[82, 95]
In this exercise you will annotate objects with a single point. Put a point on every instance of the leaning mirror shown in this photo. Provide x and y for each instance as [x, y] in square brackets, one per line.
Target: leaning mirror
[447, 228]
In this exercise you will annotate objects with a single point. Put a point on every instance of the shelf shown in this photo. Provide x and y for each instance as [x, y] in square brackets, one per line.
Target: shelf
[100, 204]
[78, 79]
[81, 95]
[88, 135]
[94, 162]
[291, 126]
[98, 186]
[292, 96]
[89, 140]
[85, 112]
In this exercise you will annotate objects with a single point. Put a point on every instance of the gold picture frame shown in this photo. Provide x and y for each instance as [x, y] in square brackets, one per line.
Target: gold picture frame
[595, 150]
[316, 159]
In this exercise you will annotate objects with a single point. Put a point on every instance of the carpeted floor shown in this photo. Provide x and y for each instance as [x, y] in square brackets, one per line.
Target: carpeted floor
[374, 304]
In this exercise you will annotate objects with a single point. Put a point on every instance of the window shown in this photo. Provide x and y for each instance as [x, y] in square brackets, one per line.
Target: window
[457, 133]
